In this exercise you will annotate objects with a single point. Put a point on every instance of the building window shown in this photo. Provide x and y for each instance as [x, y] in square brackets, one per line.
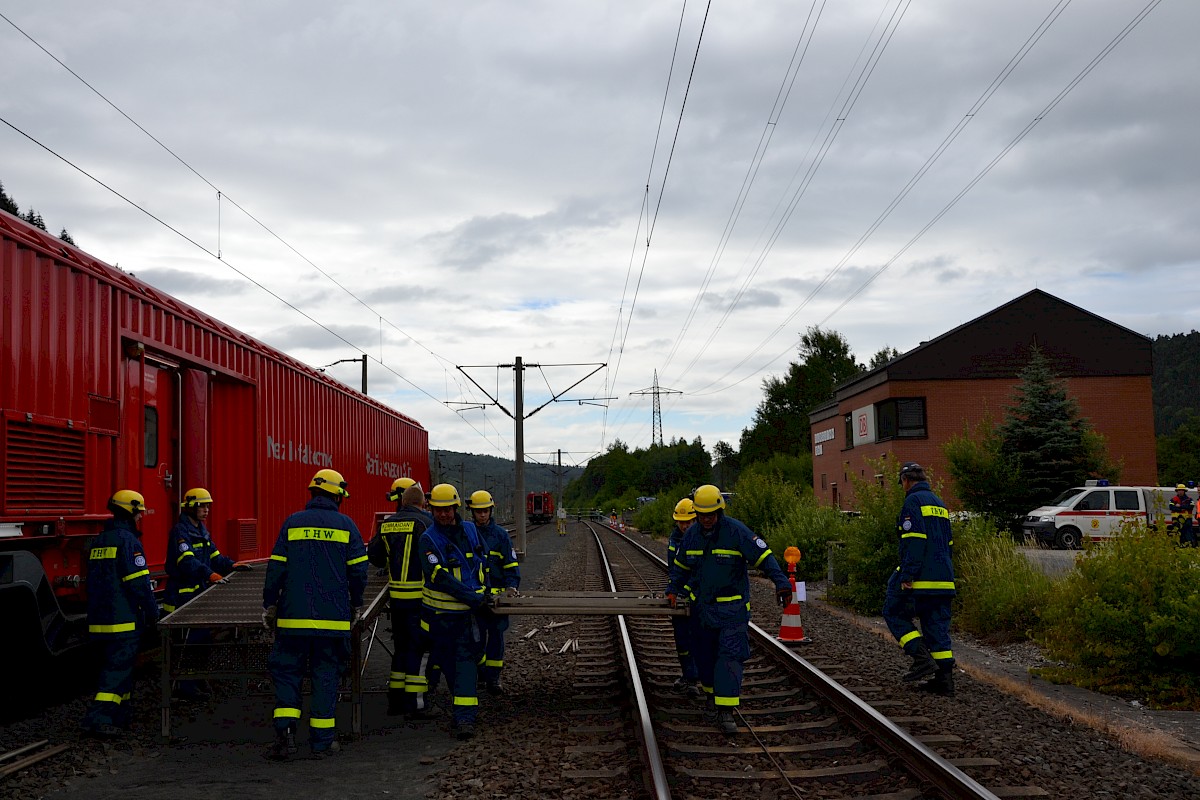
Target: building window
[900, 418]
[823, 480]
[150, 437]
[849, 431]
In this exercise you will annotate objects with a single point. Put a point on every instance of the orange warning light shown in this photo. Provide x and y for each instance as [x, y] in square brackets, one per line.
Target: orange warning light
[792, 555]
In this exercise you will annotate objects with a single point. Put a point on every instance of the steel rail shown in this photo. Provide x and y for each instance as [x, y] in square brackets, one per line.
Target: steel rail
[645, 728]
[925, 764]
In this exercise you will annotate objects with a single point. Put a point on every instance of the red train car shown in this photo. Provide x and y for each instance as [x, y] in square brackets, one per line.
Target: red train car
[107, 383]
[539, 507]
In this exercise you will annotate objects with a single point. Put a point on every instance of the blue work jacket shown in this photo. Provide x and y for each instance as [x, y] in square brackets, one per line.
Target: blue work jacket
[120, 600]
[317, 573]
[503, 571]
[924, 533]
[454, 562]
[396, 546]
[710, 569]
[191, 559]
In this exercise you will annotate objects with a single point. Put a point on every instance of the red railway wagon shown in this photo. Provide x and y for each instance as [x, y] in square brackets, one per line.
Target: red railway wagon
[107, 383]
[539, 507]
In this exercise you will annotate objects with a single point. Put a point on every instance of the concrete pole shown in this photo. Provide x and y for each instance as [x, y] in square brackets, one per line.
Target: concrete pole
[519, 416]
[558, 474]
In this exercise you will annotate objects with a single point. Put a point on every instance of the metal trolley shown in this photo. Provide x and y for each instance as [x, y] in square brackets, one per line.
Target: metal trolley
[234, 645]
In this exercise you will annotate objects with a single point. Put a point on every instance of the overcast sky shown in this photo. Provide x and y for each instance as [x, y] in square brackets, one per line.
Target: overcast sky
[471, 178]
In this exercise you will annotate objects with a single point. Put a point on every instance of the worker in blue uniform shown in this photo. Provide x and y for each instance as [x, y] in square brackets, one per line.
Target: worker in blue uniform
[193, 564]
[503, 577]
[193, 561]
[455, 600]
[395, 548]
[120, 606]
[311, 597]
[711, 572]
[684, 515]
[923, 585]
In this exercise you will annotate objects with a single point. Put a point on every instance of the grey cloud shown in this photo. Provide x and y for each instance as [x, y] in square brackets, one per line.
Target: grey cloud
[312, 337]
[180, 282]
[483, 240]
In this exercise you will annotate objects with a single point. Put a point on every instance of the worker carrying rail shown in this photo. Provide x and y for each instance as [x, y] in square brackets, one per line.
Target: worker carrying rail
[312, 595]
[710, 571]
[120, 606]
[193, 564]
[395, 547]
[455, 603]
[503, 576]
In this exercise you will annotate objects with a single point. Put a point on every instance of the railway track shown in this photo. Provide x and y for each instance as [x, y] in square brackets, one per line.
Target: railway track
[801, 733]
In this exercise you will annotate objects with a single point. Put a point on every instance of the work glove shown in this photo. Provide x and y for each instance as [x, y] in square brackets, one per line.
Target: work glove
[268, 617]
[672, 600]
[784, 596]
[242, 566]
[217, 577]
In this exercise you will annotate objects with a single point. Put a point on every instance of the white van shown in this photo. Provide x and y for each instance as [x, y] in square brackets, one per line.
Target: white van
[1095, 511]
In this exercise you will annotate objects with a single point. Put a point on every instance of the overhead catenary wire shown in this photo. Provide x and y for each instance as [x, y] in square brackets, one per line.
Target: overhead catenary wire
[653, 221]
[226, 262]
[980, 175]
[831, 133]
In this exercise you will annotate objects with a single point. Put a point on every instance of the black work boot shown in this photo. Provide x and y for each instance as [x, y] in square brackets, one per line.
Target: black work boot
[941, 684]
[710, 710]
[923, 664]
[396, 705]
[284, 746]
[725, 722]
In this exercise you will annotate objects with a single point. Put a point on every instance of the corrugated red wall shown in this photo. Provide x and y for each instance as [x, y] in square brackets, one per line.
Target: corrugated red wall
[81, 345]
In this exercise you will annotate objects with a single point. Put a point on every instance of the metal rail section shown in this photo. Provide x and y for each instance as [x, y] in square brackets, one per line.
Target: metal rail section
[227, 618]
[645, 728]
[927, 765]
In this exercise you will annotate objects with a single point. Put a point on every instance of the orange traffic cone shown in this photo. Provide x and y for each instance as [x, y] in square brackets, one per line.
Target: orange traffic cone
[791, 630]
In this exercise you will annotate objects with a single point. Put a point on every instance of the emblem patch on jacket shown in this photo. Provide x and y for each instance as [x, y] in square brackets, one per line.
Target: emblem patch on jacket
[139, 560]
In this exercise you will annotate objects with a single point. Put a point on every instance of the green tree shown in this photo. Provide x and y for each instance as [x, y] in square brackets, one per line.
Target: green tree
[1179, 453]
[882, 357]
[34, 219]
[780, 423]
[986, 480]
[66, 237]
[7, 203]
[1042, 447]
[726, 466]
[1174, 385]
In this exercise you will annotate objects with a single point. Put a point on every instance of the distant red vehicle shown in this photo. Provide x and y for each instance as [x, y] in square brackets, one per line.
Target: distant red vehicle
[539, 507]
[111, 384]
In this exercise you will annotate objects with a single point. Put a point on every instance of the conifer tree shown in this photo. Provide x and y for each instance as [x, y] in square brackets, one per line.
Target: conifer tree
[7, 203]
[1053, 447]
[66, 237]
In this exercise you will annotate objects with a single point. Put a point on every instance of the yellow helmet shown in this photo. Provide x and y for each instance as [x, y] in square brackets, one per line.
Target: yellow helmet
[481, 500]
[1180, 488]
[129, 500]
[707, 499]
[398, 487]
[444, 495]
[684, 510]
[329, 480]
[196, 497]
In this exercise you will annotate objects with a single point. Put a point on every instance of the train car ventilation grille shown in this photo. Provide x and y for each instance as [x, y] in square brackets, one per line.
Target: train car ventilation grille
[43, 468]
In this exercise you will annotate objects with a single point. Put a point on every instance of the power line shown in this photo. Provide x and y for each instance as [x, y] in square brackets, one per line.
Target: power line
[1049, 107]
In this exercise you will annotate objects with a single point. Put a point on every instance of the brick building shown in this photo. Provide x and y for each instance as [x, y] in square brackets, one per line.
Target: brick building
[911, 405]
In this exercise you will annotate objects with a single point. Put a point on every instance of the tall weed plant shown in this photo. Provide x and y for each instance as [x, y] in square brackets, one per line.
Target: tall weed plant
[785, 515]
[1000, 593]
[870, 553]
[1128, 615]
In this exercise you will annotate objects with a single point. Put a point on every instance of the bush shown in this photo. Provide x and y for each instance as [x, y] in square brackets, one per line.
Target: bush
[1000, 593]
[870, 552]
[1127, 616]
[656, 518]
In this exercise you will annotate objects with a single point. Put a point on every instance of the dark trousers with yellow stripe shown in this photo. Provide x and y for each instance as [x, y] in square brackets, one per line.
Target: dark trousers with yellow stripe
[457, 648]
[407, 685]
[933, 610]
[493, 648]
[719, 654]
[321, 658]
[111, 706]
